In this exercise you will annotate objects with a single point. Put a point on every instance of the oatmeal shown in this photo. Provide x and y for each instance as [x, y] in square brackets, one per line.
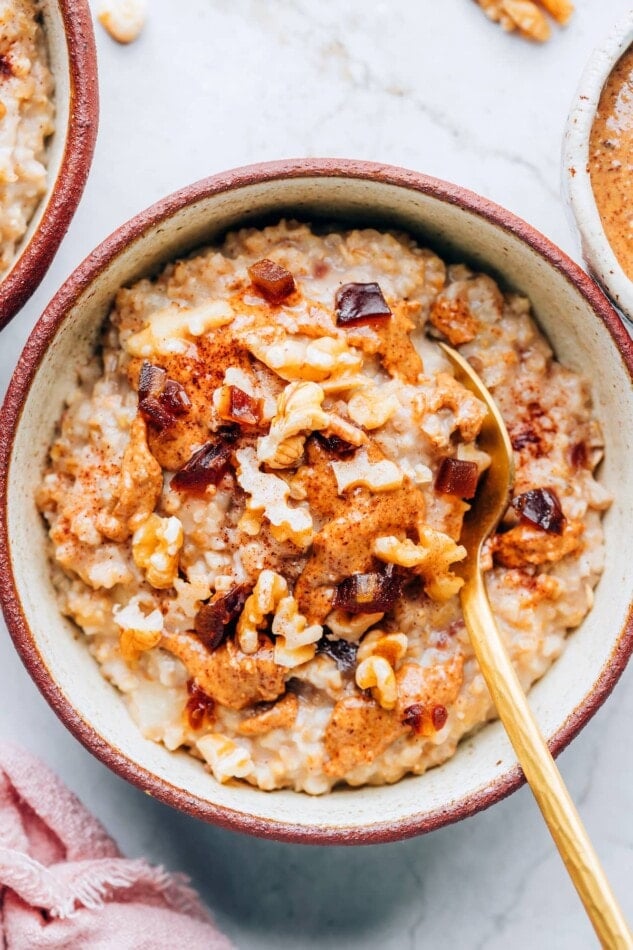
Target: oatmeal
[26, 120]
[256, 495]
[610, 149]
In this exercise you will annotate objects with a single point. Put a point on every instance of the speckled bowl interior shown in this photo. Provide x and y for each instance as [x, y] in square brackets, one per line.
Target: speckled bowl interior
[72, 56]
[585, 333]
[576, 180]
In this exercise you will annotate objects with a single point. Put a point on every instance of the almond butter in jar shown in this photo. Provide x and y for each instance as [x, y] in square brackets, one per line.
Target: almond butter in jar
[611, 160]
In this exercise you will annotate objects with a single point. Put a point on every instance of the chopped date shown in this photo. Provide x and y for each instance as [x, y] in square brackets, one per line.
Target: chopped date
[412, 586]
[272, 280]
[335, 445]
[439, 715]
[239, 407]
[456, 627]
[413, 716]
[151, 380]
[541, 507]
[213, 621]
[341, 651]
[207, 465]
[199, 706]
[320, 269]
[160, 399]
[523, 436]
[369, 593]
[360, 303]
[579, 455]
[230, 433]
[156, 413]
[175, 398]
[457, 477]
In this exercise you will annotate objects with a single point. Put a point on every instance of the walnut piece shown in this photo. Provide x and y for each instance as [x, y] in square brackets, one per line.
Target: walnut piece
[431, 558]
[226, 759]
[298, 413]
[392, 646]
[527, 16]
[139, 631]
[295, 640]
[295, 359]
[268, 591]
[381, 475]
[269, 495]
[376, 673]
[444, 392]
[172, 329]
[156, 547]
[123, 19]
[370, 408]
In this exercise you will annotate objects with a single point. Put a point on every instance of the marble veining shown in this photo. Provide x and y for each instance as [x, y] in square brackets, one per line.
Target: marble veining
[431, 85]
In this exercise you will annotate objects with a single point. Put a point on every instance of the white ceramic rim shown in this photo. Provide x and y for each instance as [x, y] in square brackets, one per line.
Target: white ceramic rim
[576, 181]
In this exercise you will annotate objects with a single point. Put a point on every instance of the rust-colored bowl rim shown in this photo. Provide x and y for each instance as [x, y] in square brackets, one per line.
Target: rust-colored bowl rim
[26, 370]
[61, 200]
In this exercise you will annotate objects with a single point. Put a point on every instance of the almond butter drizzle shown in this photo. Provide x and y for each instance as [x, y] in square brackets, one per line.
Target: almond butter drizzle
[611, 163]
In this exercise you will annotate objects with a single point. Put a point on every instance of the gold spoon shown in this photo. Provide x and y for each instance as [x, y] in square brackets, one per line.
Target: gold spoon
[538, 766]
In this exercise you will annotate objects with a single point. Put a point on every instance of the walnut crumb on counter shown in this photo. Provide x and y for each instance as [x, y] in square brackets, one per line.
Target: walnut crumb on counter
[123, 19]
[528, 17]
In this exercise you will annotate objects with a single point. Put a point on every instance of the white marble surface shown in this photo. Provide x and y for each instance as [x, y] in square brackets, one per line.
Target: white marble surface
[428, 84]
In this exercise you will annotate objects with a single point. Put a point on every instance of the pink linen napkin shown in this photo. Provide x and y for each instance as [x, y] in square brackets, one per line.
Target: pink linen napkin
[64, 884]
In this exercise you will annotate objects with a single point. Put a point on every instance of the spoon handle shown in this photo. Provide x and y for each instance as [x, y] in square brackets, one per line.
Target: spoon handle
[559, 812]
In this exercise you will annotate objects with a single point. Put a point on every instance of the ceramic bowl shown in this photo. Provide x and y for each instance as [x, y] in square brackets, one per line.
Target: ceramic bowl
[73, 62]
[585, 332]
[596, 249]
